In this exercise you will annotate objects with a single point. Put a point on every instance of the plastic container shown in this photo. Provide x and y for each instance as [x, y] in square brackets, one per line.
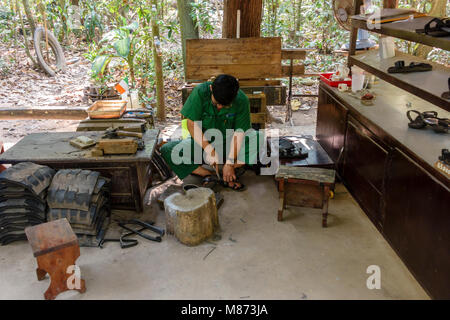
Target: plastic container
[387, 47]
[357, 78]
[134, 100]
[326, 77]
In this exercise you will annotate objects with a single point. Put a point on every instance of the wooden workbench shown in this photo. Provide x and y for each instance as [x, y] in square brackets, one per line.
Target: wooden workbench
[129, 173]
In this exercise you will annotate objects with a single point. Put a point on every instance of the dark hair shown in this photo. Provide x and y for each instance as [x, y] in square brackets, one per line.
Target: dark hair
[225, 89]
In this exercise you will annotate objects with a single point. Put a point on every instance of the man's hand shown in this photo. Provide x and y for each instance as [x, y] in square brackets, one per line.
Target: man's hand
[228, 173]
[211, 155]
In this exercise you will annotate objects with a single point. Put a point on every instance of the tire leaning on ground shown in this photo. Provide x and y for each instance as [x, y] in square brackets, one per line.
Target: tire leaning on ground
[39, 35]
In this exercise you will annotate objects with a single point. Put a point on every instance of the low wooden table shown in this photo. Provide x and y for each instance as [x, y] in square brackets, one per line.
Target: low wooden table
[56, 249]
[129, 174]
[317, 156]
[305, 187]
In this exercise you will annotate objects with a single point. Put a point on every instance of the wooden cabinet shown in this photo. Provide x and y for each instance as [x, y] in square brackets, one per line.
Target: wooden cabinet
[331, 125]
[363, 169]
[417, 222]
[405, 197]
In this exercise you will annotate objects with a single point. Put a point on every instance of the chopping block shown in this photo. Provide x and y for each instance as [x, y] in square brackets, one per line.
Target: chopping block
[192, 215]
[56, 249]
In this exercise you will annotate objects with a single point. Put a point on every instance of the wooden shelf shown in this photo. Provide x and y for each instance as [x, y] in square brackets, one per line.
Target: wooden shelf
[427, 85]
[406, 30]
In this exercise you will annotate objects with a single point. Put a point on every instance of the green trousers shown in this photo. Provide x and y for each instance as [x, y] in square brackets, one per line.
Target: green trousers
[184, 156]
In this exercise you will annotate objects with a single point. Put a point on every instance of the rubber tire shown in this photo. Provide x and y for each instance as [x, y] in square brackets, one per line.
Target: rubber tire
[39, 35]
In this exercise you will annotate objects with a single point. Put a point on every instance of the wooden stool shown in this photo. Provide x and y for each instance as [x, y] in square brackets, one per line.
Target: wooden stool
[305, 187]
[55, 247]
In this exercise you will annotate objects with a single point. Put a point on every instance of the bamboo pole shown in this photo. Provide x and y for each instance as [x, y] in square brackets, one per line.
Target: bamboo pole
[157, 58]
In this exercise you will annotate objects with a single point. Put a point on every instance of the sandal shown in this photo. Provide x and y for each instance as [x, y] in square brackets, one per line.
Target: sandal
[400, 67]
[209, 181]
[430, 118]
[235, 187]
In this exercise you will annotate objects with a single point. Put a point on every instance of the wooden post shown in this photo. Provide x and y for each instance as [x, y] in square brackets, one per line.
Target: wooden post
[354, 32]
[250, 18]
[390, 3]
[157, 58]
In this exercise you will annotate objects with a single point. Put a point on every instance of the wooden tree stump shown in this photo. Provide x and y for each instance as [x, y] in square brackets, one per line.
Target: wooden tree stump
[191, 217]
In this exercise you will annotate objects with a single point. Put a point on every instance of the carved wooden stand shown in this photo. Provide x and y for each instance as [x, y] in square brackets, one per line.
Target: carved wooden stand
[56, 248]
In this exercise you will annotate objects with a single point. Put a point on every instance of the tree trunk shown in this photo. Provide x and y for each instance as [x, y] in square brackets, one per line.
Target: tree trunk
[438, 9]
[390, 3]
[191, 217]
[187, 24]
[29, 15]
[157, 59]
[297, 21]
[27, 50]
[250, 22]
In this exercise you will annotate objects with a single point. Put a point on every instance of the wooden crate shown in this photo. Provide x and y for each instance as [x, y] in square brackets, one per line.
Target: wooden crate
[258, 110]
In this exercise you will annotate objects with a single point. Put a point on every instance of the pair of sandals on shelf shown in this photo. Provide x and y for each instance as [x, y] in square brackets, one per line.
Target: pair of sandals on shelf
[428, 118]
[436, 28]
[210, 181]
[400, 67]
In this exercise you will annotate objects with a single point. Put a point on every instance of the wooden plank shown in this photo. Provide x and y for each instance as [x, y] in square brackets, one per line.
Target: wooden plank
[130, 127]
[299, 54]
[23, 113]
[296, 70]
[117, 146]
[260, 117]
[239, 71]
[233, 57]
[246, 58]
[258, 83]
[242, 44]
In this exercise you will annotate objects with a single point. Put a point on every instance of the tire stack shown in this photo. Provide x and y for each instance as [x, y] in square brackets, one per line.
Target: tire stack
[83, 198]
[23, 190]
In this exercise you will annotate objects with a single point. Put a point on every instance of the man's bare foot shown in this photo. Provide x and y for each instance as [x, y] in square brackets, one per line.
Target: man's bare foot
[200, 171]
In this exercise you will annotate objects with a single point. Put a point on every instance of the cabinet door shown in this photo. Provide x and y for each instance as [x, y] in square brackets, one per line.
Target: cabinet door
[418, 223]
[331, 123]
[364, 169]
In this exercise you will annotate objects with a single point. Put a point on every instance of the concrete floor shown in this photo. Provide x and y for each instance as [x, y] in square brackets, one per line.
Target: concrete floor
[256, 258]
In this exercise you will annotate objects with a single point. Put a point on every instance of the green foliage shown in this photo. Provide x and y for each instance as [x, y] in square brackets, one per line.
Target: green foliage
[122, 43]
[6, 24]
[202, 15]
[92, 20]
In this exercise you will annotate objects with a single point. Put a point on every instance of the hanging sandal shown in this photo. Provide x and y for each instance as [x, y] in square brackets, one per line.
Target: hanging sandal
[400, 67]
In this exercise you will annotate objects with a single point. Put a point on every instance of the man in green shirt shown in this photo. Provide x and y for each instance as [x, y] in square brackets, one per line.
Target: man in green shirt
[218, 115]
